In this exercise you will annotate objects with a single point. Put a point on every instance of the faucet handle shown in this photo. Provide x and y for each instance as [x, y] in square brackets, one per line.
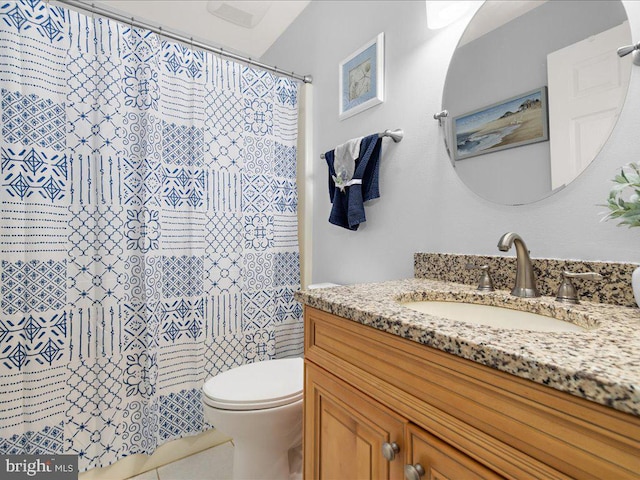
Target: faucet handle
[485, 284]
[567, 292]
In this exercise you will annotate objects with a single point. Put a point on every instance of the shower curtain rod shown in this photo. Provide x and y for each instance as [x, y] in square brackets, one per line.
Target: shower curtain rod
[92, 8]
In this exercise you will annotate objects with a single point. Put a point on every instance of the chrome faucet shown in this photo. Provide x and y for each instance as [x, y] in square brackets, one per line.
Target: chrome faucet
[525, 285]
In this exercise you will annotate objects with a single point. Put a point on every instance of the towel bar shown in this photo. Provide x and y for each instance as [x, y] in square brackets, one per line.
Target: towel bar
[396, 135]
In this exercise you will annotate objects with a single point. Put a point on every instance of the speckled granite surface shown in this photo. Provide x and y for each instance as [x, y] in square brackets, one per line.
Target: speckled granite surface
[601, 364]
[615, 288]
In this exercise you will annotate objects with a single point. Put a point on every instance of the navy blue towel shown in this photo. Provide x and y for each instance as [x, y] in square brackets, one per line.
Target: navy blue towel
[348, 206]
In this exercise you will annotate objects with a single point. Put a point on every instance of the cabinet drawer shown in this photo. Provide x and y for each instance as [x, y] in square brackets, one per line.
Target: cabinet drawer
[511, 425]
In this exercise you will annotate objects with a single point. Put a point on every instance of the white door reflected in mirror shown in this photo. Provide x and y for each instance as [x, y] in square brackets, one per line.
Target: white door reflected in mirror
[587, 86]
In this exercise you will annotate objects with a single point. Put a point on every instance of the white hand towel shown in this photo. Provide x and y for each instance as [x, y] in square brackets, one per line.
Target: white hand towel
[344, 162]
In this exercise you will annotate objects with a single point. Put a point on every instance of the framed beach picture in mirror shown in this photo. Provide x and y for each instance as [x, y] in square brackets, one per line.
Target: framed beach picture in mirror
[511, 123]
[361, 78]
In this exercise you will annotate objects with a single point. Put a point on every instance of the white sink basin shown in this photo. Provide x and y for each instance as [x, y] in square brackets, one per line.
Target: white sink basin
[493, 316]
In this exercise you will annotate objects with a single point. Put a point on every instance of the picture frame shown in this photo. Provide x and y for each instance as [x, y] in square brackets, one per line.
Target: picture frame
[361, 78]
[514, 122]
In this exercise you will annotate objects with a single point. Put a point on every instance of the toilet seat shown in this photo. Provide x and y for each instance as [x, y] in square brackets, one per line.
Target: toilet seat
[256, 386]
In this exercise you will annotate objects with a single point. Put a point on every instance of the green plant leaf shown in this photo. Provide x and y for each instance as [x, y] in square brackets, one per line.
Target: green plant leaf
[626, 211]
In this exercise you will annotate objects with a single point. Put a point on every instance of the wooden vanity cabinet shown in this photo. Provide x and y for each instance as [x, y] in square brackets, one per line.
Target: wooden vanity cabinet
[349, 431]
[454, 418]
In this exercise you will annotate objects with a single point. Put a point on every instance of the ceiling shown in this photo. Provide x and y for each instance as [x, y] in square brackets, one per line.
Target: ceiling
[494, 14]
[191, 19]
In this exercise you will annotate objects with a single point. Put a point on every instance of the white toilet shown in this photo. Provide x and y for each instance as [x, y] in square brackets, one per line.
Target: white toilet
[259, 405]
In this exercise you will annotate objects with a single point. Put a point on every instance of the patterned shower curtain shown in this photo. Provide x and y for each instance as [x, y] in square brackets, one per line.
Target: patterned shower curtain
[148, 234]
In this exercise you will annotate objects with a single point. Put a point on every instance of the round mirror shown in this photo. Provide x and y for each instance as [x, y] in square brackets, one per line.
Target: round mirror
[533, 91]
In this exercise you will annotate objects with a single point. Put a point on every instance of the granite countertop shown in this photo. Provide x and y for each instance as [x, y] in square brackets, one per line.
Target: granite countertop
[601, 364]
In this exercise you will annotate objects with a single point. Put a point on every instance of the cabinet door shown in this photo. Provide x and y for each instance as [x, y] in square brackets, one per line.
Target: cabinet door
[344, 432]
[432, 459]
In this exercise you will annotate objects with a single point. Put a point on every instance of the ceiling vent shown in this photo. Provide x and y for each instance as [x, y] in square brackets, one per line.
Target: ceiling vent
[246, 13]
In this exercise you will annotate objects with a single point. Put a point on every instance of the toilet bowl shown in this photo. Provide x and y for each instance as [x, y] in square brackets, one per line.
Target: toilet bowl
[259, 405]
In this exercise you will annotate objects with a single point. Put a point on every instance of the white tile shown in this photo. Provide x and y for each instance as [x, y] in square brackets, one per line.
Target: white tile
[150, 475]
[212, 464]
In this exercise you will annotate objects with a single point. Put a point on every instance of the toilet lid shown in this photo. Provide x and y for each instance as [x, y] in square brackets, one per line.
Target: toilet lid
[254, 386]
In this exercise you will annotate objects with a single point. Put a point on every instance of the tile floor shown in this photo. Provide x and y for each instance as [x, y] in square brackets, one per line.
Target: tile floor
[213, 464]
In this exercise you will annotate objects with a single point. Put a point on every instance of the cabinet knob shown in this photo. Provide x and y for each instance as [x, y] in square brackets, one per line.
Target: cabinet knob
[413, 472]
[390, 450]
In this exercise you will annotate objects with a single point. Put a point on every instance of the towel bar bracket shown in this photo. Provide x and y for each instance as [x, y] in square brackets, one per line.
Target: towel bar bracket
[396, 135]
[440, 115]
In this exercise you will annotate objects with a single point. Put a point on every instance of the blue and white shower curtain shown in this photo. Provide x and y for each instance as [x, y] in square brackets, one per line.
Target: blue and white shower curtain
[148, 234]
